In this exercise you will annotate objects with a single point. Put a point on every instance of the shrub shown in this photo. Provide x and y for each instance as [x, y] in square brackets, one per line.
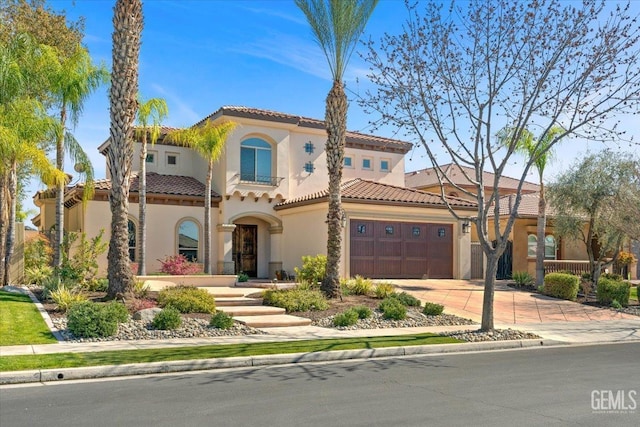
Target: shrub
[65, 297]
[559, 285]
[364, 312]
[615, 304]
[393, 309]
[168, 318]
[221, 320]
[406, 299]
[432, 309]
[187, 299]
[243, 277]
[81, 267]
[383, 290]
[609, 290]
[37, 253]
[613, 276]
[117, 311]
[296, 299]
[99, 285]
[140, 289]
[37, 275]
[360, 286]
[140, 304]
[178, 265]
[346, 318]
[90, 320]
[345, 289]
[522, 278]
[313, 269]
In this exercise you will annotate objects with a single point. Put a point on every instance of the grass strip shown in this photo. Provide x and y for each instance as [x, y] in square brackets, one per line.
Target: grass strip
[76, 360]
[633, 293]
[20, 321]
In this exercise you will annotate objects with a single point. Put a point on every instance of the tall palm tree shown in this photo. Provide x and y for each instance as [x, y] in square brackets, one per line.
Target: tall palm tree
[336, 26]
[76, 79]
[127, 29]
[150, 116]
[207, 140]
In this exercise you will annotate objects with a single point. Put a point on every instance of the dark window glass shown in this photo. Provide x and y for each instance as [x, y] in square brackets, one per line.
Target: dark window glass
[416, 231]
[362, 229]
[388, 229]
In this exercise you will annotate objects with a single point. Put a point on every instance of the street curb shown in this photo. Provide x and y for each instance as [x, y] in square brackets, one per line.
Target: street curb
[93, 372]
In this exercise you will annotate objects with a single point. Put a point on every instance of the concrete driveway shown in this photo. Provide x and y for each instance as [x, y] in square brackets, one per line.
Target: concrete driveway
[511, 307]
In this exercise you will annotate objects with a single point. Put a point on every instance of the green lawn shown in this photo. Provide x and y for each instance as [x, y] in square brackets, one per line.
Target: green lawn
[73, 360]
[20, 321]
[634, 293]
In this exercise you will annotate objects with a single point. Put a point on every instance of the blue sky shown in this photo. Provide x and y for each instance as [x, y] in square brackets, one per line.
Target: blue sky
[201, 55]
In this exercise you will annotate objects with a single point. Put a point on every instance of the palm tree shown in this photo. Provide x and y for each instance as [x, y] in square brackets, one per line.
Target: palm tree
[150, 115]
[336, 26]
[538, 151]
[127, 29]
[76, 78]
[207, 140]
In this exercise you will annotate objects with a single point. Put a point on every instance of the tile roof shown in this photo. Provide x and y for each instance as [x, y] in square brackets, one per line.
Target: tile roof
[274, 116]
[528, 206]
[427, 178]
[360, 190]
[175, 185]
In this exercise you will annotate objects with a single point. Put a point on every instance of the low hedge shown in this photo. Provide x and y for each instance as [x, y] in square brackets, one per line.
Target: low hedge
[90, 320]
[560, 285]
[297, 299]
[187, 299]
[609, 290]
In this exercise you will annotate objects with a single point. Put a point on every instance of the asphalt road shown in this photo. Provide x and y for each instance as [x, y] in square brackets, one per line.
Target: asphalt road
[582, 385]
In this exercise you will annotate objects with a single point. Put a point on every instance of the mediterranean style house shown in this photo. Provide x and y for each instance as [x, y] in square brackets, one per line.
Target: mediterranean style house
[520, 254]
[269, 203]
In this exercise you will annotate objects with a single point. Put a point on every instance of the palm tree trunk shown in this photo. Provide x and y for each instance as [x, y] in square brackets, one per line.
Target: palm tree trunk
[142, 208]
[59, 231]
[127, 22]
[4, 219]
[8, 252]
[540, 231]
[336, 124]
[207, 220]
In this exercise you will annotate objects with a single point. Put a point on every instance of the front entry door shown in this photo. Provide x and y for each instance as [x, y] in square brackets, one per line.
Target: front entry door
[245, 249]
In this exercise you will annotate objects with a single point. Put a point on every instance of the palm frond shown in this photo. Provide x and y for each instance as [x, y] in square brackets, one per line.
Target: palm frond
[83, 163]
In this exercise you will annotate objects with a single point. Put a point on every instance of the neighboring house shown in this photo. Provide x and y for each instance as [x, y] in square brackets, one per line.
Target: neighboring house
[270, 199]
[520, 254]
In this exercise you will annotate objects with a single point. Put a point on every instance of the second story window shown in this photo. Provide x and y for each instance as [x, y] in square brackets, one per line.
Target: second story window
[172, 159]
[384, 165]
[151, 158]
[366, 163]
[348, 162]
[255, 161]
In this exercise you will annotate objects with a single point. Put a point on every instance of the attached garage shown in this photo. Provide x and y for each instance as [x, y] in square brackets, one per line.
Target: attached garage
[388, 249]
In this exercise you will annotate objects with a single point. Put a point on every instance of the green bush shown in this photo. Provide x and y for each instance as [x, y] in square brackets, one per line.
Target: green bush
[81, 267]
[406, 299]
[140, 289]
[313, 269]
[187, 299]
[432, 309]
[609, 290]
[345, 288]
[612, 276]
[90, 320]
[99, 285]
[522, 278]
[37, 275]
[560, 285]
[221, 320]
[37, 253]
[118, 311]
[65, 297]
[383, 290]
[360, 286]
[393, 309]
[615, 304]
[346, 318]
[243, 277]
[167, 319]
[296, 299]
[364, 312]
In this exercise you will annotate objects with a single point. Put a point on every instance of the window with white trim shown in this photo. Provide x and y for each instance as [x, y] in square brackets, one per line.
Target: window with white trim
[367, 163]
[188, 239]
[255, 161]
[385, 165]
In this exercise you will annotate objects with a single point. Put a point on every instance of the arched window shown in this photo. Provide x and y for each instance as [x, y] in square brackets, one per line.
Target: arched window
[255, 161]
[188, 238]
[133, 238]
[532, 245]
[550, 247]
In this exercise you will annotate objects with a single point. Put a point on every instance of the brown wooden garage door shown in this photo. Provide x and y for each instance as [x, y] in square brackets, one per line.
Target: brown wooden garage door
[386, 249]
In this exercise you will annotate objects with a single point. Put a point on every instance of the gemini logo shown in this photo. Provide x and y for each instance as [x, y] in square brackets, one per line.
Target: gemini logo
[614, 401]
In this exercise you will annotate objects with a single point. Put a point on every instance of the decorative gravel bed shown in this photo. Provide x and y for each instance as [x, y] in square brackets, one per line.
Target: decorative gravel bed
[632, 309]
[495, 335]
[414, 319]
[140, 330]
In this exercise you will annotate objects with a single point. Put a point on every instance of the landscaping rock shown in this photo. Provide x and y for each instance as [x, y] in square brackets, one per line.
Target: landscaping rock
[147, 314]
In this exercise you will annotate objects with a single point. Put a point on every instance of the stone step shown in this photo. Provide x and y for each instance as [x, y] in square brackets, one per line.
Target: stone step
[246, 311]
[237, 301]
[220, 292]
[273, 321]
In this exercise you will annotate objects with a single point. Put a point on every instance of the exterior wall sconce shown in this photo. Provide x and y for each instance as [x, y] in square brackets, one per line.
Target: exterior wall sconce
[466, 227]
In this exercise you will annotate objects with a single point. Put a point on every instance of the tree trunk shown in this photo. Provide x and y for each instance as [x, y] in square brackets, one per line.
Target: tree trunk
[58, 234]
[336, 123]
[142, 208]
[207, 220]
[540, 249]
[489, 288]
[127, 23]
[4, 219]
[10, 234]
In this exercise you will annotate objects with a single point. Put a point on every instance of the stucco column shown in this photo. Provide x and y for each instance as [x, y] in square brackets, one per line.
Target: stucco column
[225, 248]
[464, 253]
[275, 240]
